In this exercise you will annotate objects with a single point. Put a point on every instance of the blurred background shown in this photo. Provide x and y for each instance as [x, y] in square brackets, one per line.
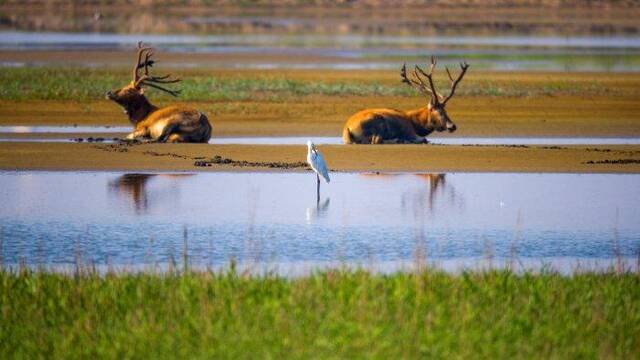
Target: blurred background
[501, 35]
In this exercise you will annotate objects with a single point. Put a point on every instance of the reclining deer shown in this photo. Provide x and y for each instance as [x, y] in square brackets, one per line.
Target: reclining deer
[166, 124]
[379, 126]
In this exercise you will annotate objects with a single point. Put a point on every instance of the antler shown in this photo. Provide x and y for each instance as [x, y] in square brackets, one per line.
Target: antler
[418, 83]
[464, 66]
[147, 79]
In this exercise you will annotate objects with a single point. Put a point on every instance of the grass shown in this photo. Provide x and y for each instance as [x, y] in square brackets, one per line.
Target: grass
[334, 314]
[64, 83]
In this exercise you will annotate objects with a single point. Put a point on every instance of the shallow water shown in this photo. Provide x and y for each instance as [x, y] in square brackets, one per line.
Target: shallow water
[17, 39]
[43, 129]
[350, 52]
[301, 140]
[439, 140]
[382, 221]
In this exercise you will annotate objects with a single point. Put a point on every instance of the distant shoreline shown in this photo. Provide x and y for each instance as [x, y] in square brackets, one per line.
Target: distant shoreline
[280, 17]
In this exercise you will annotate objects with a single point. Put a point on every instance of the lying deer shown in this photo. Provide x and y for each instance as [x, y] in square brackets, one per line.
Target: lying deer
[378, 126]
[167, 124]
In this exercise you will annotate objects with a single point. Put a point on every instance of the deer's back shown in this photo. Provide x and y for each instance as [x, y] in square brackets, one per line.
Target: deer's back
[179, 119]
[387, 123]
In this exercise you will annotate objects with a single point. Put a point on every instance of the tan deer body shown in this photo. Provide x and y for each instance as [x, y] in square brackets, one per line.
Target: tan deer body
[167, 124]
[173, 124]
[380, 126]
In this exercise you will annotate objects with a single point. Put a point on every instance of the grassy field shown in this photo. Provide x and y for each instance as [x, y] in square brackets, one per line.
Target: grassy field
[65, 83]
[336, 314]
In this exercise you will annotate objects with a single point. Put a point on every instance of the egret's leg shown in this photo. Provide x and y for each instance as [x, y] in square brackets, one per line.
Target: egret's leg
[318, 189]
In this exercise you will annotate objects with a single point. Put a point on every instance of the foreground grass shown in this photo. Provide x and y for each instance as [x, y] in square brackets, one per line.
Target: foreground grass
[65, 83]
[333, 314]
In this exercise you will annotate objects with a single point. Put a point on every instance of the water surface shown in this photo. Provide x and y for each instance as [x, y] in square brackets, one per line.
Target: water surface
[17, 39]
[299, 140]
[293, 140]
[353, 51]
[44, 129]
[386, 220]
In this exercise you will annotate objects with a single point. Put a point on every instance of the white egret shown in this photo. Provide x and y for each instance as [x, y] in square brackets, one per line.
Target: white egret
[318, 165]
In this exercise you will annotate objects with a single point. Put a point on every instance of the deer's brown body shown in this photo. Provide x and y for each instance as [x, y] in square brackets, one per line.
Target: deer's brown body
[379, 126]
[166, 124]
[172, 124]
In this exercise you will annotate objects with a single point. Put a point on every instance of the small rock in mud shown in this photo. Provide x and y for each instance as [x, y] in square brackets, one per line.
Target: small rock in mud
[78, 139]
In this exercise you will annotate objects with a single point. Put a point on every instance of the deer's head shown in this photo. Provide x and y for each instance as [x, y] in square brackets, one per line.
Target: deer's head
[438, 118]
[131, 97]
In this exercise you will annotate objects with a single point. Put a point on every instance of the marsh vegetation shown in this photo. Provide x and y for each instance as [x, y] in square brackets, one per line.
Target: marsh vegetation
[339, 313]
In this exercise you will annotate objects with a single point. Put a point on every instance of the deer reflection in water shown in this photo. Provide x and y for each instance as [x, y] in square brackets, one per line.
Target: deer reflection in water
[415, 199]
[422, 203]
[135, 187]
[438, 188]
[438, 185]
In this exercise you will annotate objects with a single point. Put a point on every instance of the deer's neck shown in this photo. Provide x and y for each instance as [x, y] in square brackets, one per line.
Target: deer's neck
[421, 119]
[139, 109]
[420, 116]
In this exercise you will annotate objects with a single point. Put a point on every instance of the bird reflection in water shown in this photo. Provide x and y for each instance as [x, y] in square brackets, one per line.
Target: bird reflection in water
[318, 211]
[135, 187]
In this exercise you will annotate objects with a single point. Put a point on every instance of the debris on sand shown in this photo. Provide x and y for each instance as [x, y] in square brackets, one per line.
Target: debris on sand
[89, 139]
[617, 161]
[498, 146]
[243, 163]
[118, 147]
[173, 155]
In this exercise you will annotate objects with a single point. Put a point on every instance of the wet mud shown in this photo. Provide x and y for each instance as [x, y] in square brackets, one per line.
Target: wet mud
[243, 163]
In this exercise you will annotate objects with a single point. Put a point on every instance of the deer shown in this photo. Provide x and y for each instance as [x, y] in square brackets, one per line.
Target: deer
[175, 123]
[384, 126]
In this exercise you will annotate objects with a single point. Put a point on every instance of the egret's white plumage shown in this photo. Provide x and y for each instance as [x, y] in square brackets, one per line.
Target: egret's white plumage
[316, 161]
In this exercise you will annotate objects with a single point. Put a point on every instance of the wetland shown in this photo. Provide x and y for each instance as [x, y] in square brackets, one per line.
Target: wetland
[517, 236]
